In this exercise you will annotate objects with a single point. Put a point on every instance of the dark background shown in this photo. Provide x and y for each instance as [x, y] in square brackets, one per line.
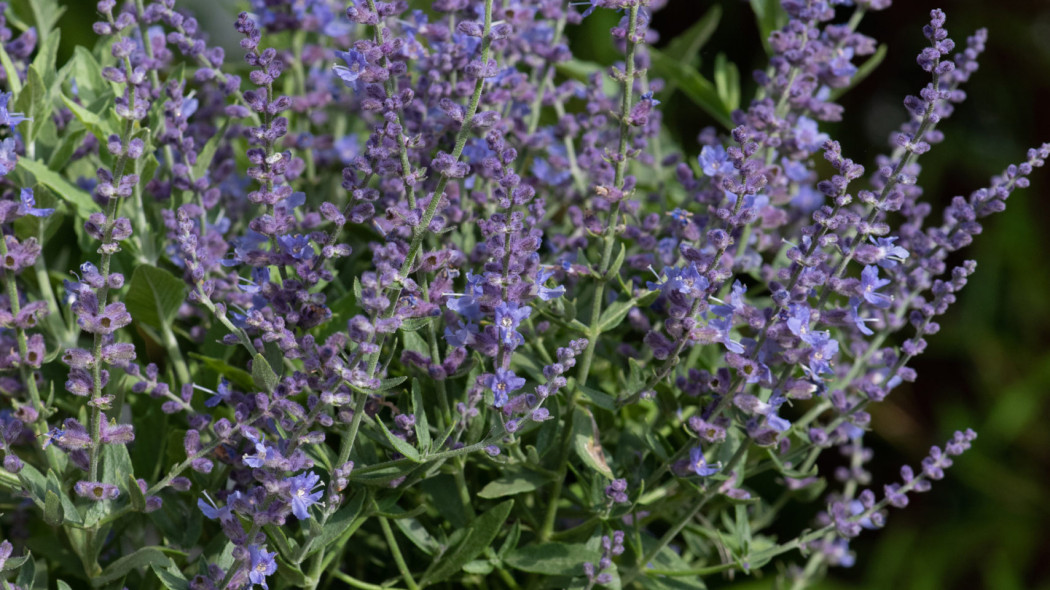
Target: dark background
[987, 525]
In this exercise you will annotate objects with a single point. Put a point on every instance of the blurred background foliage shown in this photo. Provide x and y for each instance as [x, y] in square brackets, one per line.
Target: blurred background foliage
[987, 525]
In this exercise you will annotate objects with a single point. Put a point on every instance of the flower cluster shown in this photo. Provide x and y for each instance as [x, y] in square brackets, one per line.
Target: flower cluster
[404, 286]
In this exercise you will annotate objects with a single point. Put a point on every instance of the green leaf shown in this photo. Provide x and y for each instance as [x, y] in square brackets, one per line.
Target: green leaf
[171, 577]
[238, 376]
[586, 444]
[420, 411]
[11, 72]
[685, 46]
[208, 153]
[414, 324]
[513, 484]
[698, 89]
[727, 82]
[599, 398]
[390, 383]
[14, 563]
[553, 559]
[138, 499]
[45, 59]
[100, 127]
[400, 444]
[144, 557]
[43, 14]
[339, 523]
[62, 585]
[53, 513]
[27, 575]
[262, 375]
[635, 379]
[476, 538]
[770, 16]
[418, 534]
[116, 465]
[30, 102]
[80, 200]
[154, 296]
[87, 72]
[614, 314]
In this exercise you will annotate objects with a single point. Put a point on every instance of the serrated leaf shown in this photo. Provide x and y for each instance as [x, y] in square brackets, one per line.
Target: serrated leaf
[144, 557]
[154, 296]
[512, 484]
[420, 411]
[171, 577]
[553, 559]
[400, 444]
[586, 444]
[80, 200]
[262, 375]
[476, 538]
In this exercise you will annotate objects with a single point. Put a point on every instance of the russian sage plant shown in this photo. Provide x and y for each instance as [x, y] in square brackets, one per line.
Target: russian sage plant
[404, 295]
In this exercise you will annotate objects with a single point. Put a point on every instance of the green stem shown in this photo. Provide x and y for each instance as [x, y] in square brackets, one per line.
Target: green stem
[399, 559]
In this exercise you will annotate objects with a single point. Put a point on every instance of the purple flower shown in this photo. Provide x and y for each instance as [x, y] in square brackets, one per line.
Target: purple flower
[854, 316]
[262, 565]
[263, 453]
[889, 254]
[220, 396]
[714, 160]
[824, 350]
[547, 293]
[798, 322]
[698, 463]
[351, 72]
[870, 283]
[297, 246]
[27, 206]
[97, 491]
[808, 135]
[503, 383]
[8, 157]
[7, 117]
[213, 512]
[508, 316]
[302, 494]
[841, 64]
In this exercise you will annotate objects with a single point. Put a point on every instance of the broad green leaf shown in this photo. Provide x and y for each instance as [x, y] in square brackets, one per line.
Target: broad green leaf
[554, 559]
[44, 62]
[53, 513]
[262, 375]
[476, 538]
[27, 575]
[420, 411]
[144, 557]
[698, 89]
[62, 585]
[171, 577]
[238, 376]
[80, 200]
[87, 73]
[586, 444]
[116, 465]
[43, 14]
[14, 563]
[30, 102]
[414, 324]
[207, 154]
[400, 444]
[99, 126]
[598, 398]
[154, 296]
[512, 484]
